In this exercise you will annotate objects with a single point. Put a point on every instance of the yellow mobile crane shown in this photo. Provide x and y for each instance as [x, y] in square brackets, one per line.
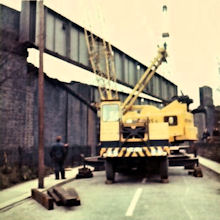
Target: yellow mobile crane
[127, 135]
[135, 135]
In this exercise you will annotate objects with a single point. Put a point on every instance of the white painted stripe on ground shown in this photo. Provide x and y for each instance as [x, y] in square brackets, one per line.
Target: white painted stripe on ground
[134, 202]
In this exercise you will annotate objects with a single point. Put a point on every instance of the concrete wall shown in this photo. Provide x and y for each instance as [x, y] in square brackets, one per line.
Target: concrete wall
[206, 96]
[207, 110]
[65, 114]
[200, 123]
[210, 118]
[217, 117]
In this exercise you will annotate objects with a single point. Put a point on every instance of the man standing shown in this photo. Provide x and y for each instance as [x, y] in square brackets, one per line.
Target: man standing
[58, 154]
[205, 135]
[215, 132]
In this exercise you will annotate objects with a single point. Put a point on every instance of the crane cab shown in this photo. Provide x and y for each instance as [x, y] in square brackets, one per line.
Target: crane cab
[110, 114]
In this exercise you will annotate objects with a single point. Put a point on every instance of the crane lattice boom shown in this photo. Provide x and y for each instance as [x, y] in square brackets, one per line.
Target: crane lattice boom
[161, 57]
[102, 62]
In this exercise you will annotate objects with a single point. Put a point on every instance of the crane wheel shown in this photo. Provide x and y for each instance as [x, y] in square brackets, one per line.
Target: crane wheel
[110, 173]
[164, 180]
[108, 182]
[197, 172]
[164, 170]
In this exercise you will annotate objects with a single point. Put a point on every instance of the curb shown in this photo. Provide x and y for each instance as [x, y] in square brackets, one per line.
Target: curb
[27, 195]
[212, 172]
[210, 165]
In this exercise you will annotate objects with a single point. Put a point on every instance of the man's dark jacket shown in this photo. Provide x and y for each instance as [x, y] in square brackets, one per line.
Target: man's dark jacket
[58, 152]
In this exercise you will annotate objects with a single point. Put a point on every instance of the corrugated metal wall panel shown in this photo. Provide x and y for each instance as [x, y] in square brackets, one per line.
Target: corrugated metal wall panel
[169, 91]
[164, 90]
[102, 55]
[74, 44]
[156, 85]
[169, 88]
[153, 85]
[96, 95]
[126, 70]
[142, 71]
[132, 72]
[83, 51]
[138, 74]
[173, 91]
[118, 65]
[149, 87]
[49, 31]
[92, 94]
[60, 37]
[160, 87]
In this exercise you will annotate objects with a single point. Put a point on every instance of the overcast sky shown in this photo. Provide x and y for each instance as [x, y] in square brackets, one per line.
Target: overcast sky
[135, 27]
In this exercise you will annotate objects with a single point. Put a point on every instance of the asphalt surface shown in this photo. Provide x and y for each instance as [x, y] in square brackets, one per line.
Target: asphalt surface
[133, 197]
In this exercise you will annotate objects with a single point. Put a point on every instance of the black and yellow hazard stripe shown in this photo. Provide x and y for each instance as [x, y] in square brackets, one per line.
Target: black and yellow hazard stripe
[135, 151]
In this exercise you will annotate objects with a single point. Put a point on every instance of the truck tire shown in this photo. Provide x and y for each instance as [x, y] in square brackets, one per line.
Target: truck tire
[109, 170]
[164, 170]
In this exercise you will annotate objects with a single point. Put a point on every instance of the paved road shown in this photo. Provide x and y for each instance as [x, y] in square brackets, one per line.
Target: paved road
[185, 197]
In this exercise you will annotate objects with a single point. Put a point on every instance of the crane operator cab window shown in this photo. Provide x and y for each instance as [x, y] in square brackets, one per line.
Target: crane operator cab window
[172, 120]
[110, 112]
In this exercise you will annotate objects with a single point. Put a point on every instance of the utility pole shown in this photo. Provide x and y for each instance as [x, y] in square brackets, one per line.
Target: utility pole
[41, 97]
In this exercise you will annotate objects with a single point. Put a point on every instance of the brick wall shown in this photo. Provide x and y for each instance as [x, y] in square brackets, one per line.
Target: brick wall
[66, 114]
[13, 101]
[209, 150]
